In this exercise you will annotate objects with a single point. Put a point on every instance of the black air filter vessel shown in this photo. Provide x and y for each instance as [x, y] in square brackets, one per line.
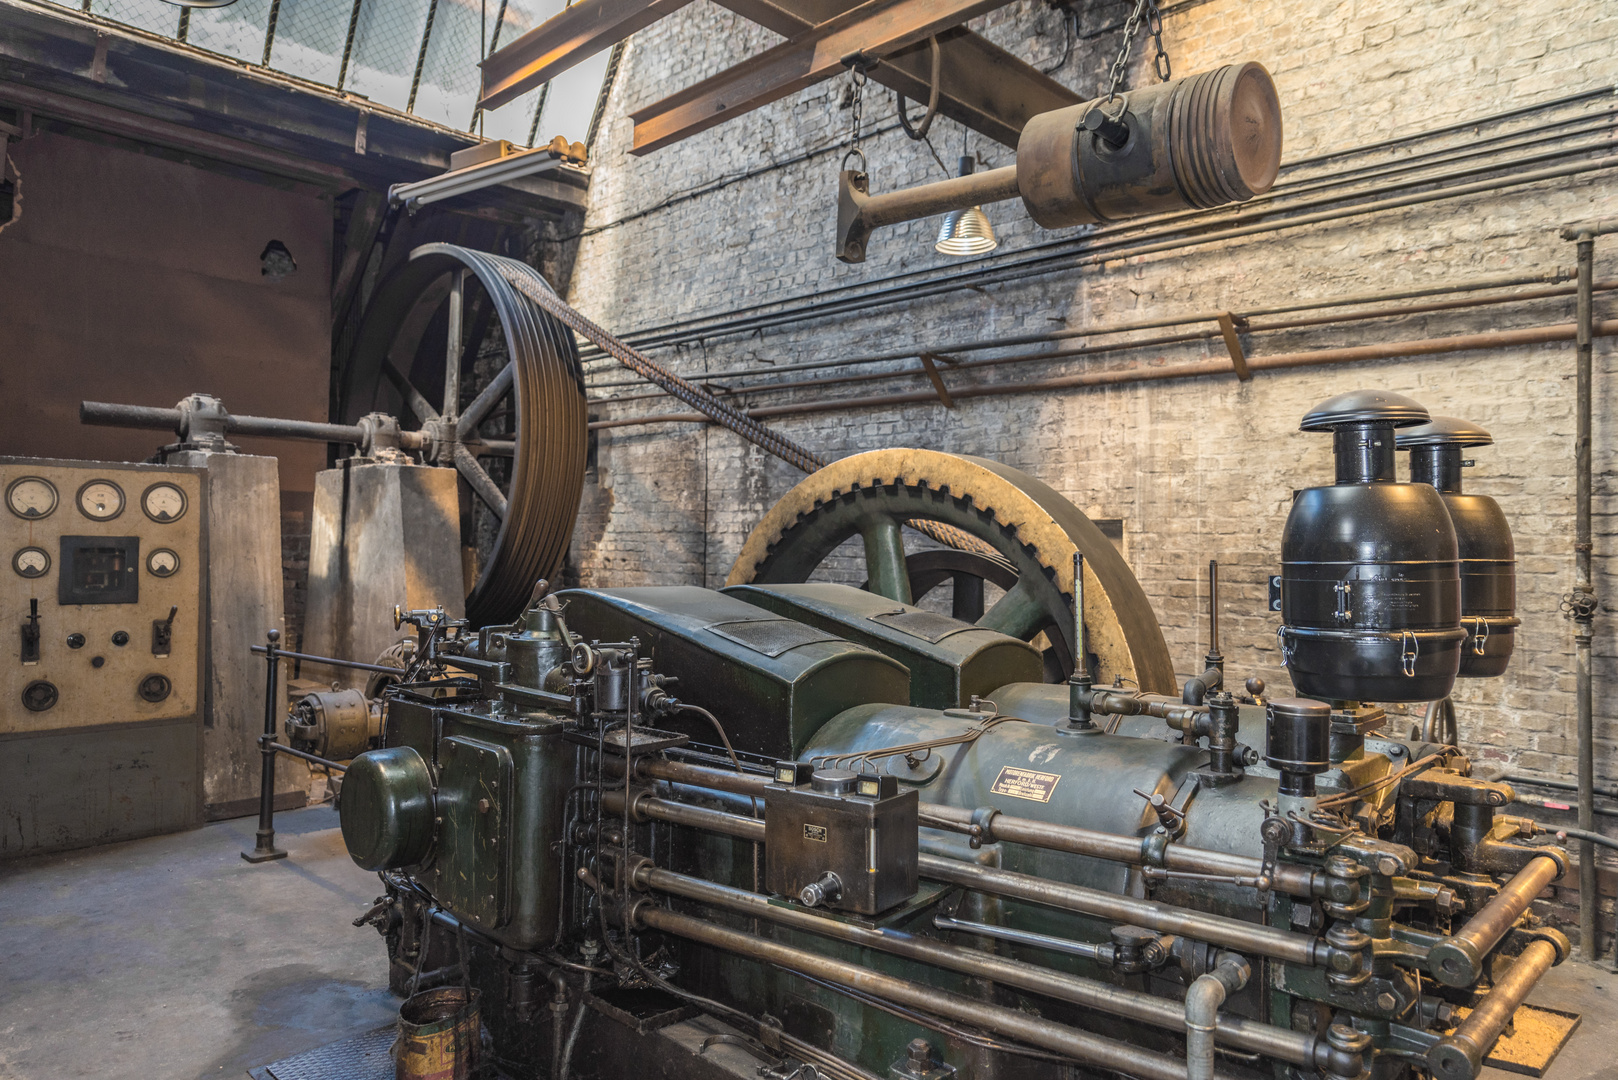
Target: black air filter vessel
[1371, 588]
[1488, 559]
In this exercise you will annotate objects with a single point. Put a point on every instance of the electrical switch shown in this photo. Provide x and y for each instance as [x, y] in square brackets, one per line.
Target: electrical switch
[163, 633]
[30, 634]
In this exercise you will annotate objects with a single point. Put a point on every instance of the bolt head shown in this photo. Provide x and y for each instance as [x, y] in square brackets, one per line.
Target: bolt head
[920, 1051]
[1386, 1001]
[1388, 865]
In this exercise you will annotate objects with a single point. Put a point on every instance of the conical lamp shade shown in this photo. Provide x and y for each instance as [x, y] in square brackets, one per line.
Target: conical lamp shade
[966, 232]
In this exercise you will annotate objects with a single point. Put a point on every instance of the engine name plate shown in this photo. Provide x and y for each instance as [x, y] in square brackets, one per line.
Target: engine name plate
[1025, 784]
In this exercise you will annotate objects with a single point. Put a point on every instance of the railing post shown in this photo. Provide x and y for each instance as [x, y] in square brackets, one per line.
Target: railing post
[265, 850]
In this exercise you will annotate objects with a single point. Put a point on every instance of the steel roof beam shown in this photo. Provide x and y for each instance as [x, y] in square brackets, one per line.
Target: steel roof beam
[870, 32]
[577, 32]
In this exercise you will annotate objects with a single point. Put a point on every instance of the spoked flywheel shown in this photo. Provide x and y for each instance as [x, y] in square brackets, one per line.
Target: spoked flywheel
[1033, 530]
[506, 410]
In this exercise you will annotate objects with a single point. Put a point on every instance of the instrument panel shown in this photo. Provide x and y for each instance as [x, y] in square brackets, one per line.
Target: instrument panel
[100, 603]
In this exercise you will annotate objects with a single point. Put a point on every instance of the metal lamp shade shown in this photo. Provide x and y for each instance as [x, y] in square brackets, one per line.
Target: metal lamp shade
[966, 232]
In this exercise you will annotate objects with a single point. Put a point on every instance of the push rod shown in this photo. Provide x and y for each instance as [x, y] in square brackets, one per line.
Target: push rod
[1293, 880]
[1121, 910]
[1459, 1056]
[1243, 1034]
[331, 660]
[1458, 960]
[1083, 1047]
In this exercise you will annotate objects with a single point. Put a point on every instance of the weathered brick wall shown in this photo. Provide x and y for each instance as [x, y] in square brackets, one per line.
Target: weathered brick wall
[1196, 469]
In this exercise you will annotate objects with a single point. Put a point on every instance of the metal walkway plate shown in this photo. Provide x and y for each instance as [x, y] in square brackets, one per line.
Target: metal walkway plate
[359, 1057]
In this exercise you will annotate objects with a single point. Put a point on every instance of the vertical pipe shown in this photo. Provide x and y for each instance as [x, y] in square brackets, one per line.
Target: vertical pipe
[1078, 707]
[1214, 659]
[452, 349]
[264, 848]
[1583, 606]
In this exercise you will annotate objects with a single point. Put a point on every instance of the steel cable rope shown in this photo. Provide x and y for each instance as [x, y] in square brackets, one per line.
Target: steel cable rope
[528, 282]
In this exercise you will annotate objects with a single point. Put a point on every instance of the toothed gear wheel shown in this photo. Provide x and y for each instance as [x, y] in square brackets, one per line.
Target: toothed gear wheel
[1033, 530]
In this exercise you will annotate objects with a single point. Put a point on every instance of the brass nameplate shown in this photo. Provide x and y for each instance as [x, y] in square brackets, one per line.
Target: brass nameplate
[815, 832]
[1025, 784]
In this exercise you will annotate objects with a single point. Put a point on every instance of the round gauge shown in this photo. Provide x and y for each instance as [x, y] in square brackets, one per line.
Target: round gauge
[163, 503]
[31, 562]
[162, 562]
[101, 500]
[31, 497]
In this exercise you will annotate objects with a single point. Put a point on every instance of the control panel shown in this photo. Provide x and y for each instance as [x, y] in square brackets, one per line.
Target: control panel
[100, 614]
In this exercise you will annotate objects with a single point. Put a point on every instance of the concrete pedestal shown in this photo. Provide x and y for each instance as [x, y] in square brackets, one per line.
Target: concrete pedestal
[244, 601]
[382, 535]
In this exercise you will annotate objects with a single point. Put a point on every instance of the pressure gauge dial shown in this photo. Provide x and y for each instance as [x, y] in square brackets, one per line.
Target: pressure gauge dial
[163, 503]
[162, 563]
[31, 497]
[31, 562]
[101, 500]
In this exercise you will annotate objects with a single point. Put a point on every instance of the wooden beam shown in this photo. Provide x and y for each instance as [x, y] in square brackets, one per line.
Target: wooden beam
[1233, 345]
[576, 33]
[927, 359]
[873, 30]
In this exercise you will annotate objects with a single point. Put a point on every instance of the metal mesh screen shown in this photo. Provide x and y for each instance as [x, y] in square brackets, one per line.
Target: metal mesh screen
[419, 56]
[237, 30]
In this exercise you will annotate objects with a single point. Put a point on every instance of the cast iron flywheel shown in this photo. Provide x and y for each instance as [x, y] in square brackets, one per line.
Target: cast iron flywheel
[1034, 530]
[513, 429]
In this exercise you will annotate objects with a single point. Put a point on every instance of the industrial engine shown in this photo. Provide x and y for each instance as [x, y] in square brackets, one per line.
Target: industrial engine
[798, 829]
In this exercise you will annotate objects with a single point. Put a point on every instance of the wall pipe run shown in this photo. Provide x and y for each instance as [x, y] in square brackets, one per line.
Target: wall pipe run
[1081, 1046]
[1242, 319]
[1296, 1047]
[1535, 335]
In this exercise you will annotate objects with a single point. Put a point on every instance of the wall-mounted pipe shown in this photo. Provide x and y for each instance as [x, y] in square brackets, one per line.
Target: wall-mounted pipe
[1533, 335]
[1203, 1000]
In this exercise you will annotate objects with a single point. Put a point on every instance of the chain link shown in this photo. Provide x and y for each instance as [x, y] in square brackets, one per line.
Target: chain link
[1148, 11]
[857, 75]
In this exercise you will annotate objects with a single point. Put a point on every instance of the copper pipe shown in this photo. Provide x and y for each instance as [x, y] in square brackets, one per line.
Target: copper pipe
[1459, 1056]
[1081, 1046]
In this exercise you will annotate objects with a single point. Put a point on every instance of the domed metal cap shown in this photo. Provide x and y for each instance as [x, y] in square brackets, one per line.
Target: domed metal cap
[1443, 431]
[387, 808]
[1364, 407]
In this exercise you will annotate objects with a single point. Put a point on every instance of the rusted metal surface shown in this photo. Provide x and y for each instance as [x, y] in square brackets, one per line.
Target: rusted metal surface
[869, 32]
[564, 40]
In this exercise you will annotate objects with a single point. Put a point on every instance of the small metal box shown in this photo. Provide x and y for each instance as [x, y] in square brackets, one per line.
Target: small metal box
[838, 839]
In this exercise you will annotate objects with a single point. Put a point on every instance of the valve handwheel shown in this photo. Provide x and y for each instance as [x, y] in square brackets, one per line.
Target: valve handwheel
[1033, 531]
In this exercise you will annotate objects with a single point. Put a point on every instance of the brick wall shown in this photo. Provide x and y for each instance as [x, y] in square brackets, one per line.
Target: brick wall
[1202, 468]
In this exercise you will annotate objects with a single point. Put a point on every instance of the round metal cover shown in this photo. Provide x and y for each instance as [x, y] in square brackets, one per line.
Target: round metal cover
[1443, 431]
[387, 808]
[1365, 407]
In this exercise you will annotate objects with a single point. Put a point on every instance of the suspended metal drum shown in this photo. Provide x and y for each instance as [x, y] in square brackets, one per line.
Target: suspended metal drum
[1194, 143]
[1488, 557]
[1371, 587]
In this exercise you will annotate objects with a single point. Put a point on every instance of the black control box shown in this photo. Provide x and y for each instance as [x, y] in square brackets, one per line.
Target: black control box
[839, 839]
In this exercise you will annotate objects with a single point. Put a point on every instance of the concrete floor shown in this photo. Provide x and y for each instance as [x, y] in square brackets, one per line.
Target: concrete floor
[171, 958]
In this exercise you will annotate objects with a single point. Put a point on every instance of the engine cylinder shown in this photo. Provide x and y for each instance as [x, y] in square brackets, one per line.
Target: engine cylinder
[1488, 557]
[1371, 589]
[1198, 142]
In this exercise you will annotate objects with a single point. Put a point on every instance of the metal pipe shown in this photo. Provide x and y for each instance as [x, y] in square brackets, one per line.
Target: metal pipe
[1244, 316]
[283, 748]
[1081, 1046]
[1584, 604]
[1587, 837]
[332, 660]
[1203, 1000]
[1458, 961]
[1294, 880]
[1295, 1047]
[1087, 949]
[1094, 254]
[925, 200]
[1556, 785]
[264, 849]
[1122, 910]
[1197, 369]
[1459, 1056]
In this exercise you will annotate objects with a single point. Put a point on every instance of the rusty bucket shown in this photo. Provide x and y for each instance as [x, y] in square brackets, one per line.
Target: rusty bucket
[440, 1035]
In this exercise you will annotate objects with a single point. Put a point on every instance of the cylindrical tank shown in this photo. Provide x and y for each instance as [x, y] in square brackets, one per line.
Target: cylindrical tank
[1488, 558]
[1202, 141]
[1371, 588]
[1297, 743]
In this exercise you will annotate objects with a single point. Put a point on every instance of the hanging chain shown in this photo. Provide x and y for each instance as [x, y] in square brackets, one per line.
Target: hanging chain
[1146, 10]
[856, 112]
